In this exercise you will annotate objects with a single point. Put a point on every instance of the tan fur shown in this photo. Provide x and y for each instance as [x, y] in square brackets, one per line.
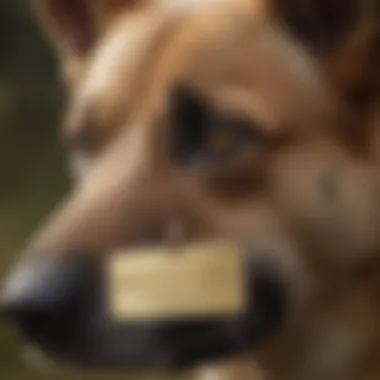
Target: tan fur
[236, 55]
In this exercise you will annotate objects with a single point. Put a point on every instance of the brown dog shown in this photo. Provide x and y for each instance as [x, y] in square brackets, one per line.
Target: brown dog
[216, 118]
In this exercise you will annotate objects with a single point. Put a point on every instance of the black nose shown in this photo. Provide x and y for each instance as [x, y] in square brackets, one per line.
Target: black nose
[42, 297]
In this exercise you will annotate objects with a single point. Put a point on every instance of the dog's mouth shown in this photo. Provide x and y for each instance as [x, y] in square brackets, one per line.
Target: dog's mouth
[148, 309]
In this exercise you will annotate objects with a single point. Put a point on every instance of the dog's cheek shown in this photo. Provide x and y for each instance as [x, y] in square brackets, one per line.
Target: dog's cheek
[328, 202]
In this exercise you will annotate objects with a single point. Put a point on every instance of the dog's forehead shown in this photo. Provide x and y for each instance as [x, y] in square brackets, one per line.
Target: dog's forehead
[129, 54]
[229, 49]
[137, 35]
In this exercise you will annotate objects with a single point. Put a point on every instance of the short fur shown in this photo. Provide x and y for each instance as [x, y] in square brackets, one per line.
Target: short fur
[310, 188]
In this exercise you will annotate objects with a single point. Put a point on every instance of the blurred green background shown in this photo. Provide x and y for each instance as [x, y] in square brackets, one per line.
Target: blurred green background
[32, 167]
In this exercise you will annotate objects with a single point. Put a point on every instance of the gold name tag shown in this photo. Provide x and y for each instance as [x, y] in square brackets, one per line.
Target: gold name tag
[205, 280]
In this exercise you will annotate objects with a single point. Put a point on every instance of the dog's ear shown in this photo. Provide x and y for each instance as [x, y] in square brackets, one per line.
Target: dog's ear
[344, 35]
[70, 24]
[74, 26]
[325, 24]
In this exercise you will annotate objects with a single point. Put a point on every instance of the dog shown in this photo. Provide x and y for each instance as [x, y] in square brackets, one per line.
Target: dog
[215, 119]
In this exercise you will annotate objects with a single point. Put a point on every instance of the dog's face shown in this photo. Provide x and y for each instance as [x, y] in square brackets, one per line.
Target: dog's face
[192, 121]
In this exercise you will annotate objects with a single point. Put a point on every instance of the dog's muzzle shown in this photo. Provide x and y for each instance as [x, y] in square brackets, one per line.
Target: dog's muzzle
[61, 307]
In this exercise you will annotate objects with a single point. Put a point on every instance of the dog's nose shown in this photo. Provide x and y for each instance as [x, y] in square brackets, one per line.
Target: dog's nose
[41, 295]
[41, 284]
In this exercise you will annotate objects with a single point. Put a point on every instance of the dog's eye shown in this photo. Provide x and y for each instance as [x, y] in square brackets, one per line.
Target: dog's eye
[199, 133]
